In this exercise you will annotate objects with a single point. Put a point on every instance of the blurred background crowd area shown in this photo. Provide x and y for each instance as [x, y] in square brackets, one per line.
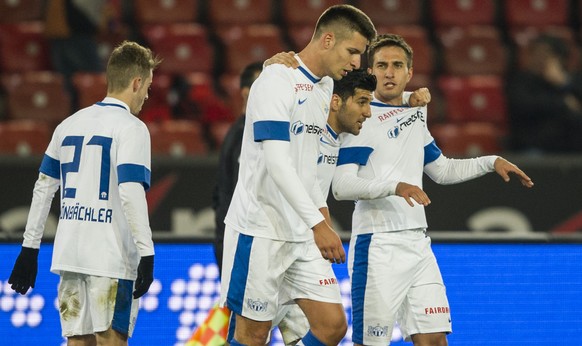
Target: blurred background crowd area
[53, 55]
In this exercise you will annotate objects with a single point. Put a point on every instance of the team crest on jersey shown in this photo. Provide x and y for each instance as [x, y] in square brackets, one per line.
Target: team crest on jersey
[377, 331]
[297, 127]
[257, 305]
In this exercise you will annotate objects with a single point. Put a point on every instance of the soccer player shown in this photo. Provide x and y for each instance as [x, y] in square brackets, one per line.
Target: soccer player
[277, 242]
[103, 250]
[393, 271]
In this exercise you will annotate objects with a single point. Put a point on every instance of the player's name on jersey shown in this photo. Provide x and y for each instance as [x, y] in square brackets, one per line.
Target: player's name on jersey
[82, 213]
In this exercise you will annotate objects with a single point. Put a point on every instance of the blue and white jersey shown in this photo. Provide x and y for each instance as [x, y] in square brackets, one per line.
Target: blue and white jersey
[329, 146]
[290, 105]
[92, 152]
[393, 145]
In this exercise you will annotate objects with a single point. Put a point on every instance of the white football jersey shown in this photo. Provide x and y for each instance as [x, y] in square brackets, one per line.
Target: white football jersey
[296, 111]
[394, 145]
[329, 146]
[92, 152]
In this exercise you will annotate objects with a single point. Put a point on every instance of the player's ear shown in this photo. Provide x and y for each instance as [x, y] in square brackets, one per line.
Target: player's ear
[136, 84]
[336, 103]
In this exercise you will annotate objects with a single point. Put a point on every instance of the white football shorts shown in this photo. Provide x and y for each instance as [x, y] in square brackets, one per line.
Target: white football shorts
[395, 278]
[260, 274]
[91, 304]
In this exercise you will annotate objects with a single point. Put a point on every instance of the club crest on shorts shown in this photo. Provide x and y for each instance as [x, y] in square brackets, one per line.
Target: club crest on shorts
[257, 305]
[377, 330]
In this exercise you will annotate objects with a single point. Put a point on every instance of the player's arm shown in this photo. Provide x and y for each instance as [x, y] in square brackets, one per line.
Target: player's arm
[134, 156]
[280, 169]
[23, 275]
[347, 185]
[445, 171]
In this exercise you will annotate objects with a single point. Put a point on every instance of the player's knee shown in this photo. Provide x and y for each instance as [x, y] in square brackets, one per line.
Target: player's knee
[331, 330]
[432, 339]
[253, 336]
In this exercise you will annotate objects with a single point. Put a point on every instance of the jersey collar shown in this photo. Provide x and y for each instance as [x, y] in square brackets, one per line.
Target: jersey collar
[313, 78]
[113, 102]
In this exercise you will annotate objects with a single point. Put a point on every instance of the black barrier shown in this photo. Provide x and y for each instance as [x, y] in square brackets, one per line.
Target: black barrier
[487, 208]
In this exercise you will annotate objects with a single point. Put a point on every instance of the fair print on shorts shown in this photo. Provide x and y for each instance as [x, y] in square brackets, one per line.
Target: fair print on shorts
[91, 304]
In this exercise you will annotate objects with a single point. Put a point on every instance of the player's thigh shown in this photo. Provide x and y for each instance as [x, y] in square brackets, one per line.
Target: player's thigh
[254, 275]
[426, 308]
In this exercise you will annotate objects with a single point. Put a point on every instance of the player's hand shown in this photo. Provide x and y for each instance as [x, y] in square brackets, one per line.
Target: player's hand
[145, 276]
[412, 192]
[329, 243]
[24, 272]
[504, 168]
[285, 58]
[419, 98]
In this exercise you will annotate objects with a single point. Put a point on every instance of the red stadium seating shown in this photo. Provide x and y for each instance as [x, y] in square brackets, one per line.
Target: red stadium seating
[24, 137]
[473, 50]
[230, 83]
[524, 35]
[165, 12]
[417, 38]
[446, 13]
[90, 87]
[20, 10]
[303, 12]
[37, 95]
[247, 44]
[300, 35]
[474, 98]
[184, 47]
[218, 131]
[396, 12]
[536, 13]
[177, 138]
[468, 140]
[23, 47]
[235, 12]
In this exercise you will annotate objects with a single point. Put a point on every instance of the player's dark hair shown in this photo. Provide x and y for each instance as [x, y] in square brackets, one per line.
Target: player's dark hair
[345, 18]
[127, 61]
[250, 73]
[389, 40]
[356, 79]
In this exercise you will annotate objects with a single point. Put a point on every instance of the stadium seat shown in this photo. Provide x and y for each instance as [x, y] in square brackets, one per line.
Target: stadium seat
[38, 96]
[522, 36]
[177, 138]
[24, 137]
[474, 98]
[218, 131]
[447, 13]
[235, 12]
[304, 12]
[165, 12]
[536, 13]
[230, 83]
[417, 38]
[184, 47]
[473, 50]
[246, 44]
[300, 35]
[468, 140]
[23, 47]
[90, 87]
[396, 12]
[158, 106]
[20, 10]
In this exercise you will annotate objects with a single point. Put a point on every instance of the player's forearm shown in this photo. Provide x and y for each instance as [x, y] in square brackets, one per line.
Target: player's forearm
[281, 170]
[447, 171]
[42, 196]
[135, 207]
[348, 186]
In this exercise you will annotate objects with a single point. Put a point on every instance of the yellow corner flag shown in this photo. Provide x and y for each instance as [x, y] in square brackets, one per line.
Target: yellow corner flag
[214, 329]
